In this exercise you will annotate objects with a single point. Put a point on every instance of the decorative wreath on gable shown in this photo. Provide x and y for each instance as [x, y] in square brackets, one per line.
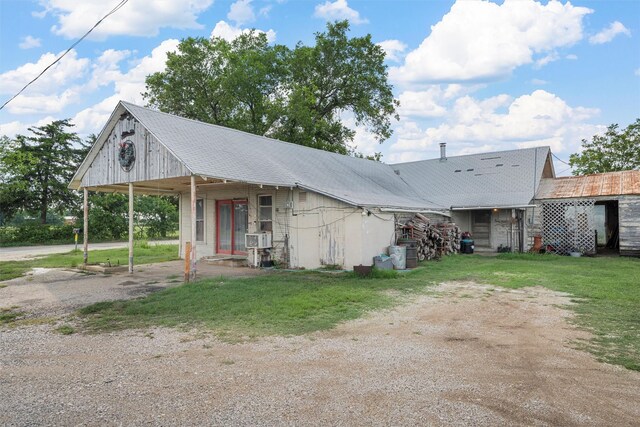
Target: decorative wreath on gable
[127, 155]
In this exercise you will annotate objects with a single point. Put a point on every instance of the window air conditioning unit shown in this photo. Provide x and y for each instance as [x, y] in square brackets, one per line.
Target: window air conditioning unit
[257, 240]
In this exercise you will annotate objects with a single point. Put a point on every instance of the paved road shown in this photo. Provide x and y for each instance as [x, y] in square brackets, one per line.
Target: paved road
[27, 252]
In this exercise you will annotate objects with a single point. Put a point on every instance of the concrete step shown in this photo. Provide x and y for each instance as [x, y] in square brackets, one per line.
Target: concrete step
[227, 261]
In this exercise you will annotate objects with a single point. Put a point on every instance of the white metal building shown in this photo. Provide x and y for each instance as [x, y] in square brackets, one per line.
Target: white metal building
[321, 208]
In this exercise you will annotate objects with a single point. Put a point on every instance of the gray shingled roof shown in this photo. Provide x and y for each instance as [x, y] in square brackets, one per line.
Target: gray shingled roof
[219, 152]
[504, 178]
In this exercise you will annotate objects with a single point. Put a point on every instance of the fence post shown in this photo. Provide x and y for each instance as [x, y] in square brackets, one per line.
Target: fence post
[187, 261]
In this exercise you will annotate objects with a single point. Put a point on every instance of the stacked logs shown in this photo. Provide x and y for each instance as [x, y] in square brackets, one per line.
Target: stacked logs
[434, 240]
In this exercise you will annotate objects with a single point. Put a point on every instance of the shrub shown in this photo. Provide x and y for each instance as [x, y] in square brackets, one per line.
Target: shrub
[31, 233]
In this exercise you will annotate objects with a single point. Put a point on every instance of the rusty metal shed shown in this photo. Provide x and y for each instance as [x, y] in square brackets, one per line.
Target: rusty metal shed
[612, 199]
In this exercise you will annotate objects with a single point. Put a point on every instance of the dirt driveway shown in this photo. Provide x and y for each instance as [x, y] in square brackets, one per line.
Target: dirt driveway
[466, 355]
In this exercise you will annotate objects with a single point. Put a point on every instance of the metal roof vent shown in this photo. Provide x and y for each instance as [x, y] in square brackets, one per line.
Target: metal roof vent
[443, 151]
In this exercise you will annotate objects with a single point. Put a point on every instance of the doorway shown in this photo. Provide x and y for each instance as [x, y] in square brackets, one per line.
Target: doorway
[606, 218]
[481, 227]
[232, 223]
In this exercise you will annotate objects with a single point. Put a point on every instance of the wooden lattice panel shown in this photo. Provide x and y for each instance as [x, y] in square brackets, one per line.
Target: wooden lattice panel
[569, 226]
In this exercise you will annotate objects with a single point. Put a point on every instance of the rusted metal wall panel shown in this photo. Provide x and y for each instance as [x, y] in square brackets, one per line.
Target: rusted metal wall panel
[629, 217]
[597, 185]
[631, 183]
[611, 185]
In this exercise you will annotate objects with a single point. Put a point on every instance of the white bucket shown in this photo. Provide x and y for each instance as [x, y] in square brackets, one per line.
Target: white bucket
[398, 255]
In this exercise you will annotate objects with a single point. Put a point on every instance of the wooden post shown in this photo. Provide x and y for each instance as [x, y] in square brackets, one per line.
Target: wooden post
[85, 229]
[192, 268]
[187, 261]
[130, 227]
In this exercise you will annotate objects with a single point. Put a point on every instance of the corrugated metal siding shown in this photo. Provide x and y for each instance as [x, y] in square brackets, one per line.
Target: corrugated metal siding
[596, 185]
[629, 218]
[153, 160]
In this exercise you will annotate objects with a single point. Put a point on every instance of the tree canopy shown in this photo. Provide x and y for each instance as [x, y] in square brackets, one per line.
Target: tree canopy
[298, 95]
[36, 169]
[616, 150]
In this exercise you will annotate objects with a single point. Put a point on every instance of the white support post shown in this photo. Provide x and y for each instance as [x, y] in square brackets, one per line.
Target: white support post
[85, 229]
[513, 230]
[130, 227]
[193, 228]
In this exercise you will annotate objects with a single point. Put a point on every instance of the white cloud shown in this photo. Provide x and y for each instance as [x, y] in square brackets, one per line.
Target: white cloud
[264, 11]
[67, 69]
[393, 49]
[422, 103]
[241, 12]
[29, 42]
[541, 62]
[11, 129]
[106, 68]
[92, 119]
[338, 10]
[637, 72]
[484, 40]
[432, 100]
[52, 91]
[229, 32]
[44, 103]
[608, 34]
[132, 84]
[539, 82]
[128, 86]
[135, 18]
[364, 142]
[73, 79]
[497, 123]
[571, 56]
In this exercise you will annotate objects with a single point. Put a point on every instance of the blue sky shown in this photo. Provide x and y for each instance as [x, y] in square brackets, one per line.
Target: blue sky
[478, 75]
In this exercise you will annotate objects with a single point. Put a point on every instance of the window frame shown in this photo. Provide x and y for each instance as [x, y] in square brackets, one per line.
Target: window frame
[202, 220]
[260, 221]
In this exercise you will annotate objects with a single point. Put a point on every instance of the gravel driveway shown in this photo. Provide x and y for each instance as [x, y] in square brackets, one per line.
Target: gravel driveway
[466, 355]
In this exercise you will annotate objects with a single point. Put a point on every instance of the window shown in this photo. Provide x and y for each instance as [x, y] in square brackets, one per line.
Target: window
[200, 220]
[265, 213]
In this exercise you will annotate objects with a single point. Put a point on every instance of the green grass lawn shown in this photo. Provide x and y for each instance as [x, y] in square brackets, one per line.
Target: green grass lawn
[607, 292]
[142, 253]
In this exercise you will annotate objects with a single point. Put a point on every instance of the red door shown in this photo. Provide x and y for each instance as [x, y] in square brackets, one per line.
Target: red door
[232, 223]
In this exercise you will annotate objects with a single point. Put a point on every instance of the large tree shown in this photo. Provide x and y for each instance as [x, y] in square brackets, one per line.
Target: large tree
[235, 84]
[616, 150]
[298, 95]
[13, 189]
[37, 168]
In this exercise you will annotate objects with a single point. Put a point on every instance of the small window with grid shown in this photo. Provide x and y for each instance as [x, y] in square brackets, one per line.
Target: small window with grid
[200, 220]
[265, 213]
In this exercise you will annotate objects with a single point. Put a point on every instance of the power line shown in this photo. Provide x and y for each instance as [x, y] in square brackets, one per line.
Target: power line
[560, 160]
[114, 10]
[561, 172]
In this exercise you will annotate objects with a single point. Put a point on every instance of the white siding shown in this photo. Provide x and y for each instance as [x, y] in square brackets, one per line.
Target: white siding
[320, 231]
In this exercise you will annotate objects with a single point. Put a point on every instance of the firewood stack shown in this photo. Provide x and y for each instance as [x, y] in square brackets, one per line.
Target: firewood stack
[433, 239]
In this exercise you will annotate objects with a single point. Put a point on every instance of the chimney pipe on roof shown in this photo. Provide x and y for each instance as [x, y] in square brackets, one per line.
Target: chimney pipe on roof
[443, 151]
